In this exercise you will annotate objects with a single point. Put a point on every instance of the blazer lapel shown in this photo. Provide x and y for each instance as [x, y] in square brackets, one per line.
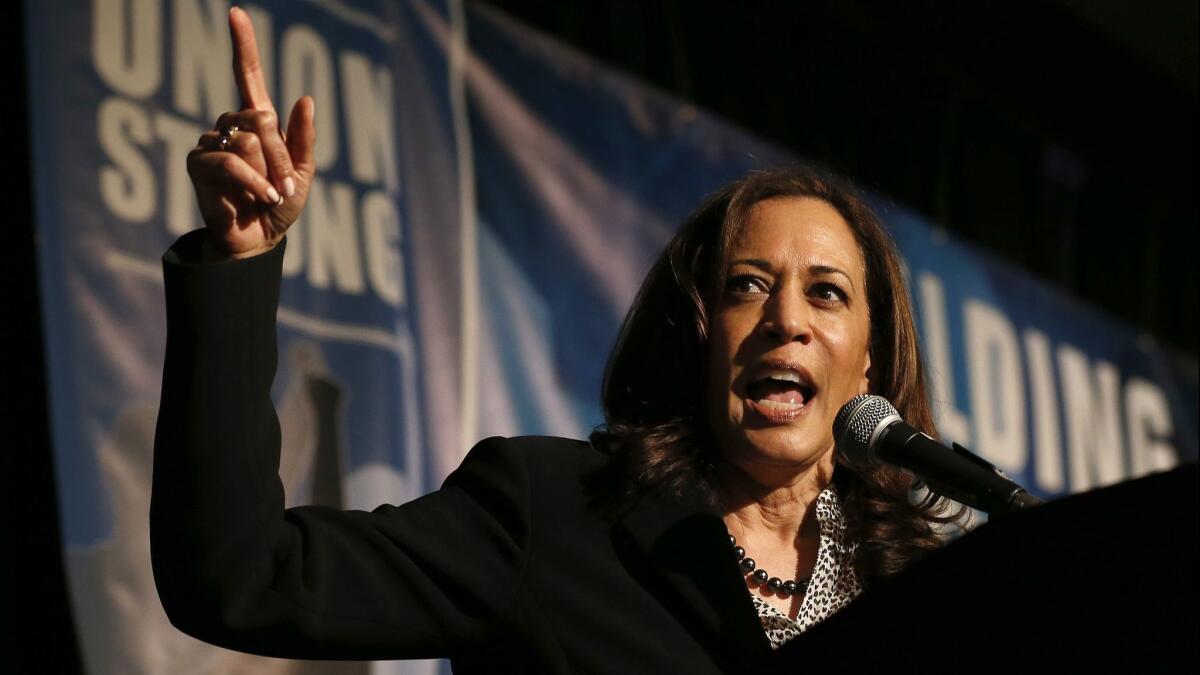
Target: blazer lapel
[686, 546]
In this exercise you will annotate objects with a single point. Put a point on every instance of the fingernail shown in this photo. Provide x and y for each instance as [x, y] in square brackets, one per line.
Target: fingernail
[273, 195]
[289, 186]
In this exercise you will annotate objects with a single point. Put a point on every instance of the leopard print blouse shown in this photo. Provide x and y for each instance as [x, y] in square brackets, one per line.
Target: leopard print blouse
[833, 583]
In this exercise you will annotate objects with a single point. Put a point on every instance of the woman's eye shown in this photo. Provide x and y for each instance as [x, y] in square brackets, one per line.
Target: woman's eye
[828, 292]
[746, 284]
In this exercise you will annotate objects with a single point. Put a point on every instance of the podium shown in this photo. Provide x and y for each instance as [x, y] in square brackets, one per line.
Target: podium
[1104, 581]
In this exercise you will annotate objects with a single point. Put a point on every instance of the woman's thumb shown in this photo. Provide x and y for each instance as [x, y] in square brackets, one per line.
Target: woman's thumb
[302, 135]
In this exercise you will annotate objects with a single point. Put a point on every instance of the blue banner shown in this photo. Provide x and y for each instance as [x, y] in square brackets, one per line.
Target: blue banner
[120, 92]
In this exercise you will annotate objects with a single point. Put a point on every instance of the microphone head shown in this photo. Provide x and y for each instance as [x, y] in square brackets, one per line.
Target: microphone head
[859, 423]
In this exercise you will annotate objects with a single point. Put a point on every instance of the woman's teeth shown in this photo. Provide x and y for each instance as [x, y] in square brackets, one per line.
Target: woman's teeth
[791, 404]
[780, 374]
[772, 390]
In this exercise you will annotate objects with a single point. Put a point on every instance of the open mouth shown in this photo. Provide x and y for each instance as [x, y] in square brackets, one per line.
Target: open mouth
[780, 392]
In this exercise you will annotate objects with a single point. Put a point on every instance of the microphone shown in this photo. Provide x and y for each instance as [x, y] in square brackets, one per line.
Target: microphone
[869, 430]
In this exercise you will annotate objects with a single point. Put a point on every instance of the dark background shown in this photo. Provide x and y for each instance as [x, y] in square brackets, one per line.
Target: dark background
[1060, 135]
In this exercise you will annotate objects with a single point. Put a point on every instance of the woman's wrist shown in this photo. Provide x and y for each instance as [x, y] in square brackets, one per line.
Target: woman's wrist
[209, 252]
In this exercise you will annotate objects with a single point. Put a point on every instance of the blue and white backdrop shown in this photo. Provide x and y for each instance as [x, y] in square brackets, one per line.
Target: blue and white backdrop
[487, 202]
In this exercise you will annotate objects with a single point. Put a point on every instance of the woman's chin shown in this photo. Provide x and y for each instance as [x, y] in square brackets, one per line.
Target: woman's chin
[781, 436]
[784, 448]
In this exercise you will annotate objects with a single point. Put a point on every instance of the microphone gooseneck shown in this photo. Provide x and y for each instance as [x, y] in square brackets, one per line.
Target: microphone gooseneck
[869, 430]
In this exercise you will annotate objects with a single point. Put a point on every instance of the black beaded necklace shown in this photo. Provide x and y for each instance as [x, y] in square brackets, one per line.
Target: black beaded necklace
[758, 577]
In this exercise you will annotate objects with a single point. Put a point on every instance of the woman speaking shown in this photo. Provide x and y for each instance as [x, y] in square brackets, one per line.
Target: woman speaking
[711, 520]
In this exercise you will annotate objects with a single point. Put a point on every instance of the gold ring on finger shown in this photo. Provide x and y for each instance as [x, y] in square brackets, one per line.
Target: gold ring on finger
[226, 136]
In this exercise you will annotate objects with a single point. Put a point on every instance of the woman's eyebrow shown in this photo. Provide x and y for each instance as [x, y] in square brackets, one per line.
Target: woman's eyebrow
[826, 269]
[763, 265]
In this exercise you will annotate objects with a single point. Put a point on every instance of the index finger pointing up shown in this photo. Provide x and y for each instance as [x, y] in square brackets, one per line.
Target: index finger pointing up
[247, 69]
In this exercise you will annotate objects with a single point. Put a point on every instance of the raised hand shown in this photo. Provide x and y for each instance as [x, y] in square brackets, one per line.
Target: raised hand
[251, 179]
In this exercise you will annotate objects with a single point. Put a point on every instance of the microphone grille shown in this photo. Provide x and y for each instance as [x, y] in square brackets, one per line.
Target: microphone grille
[858, 423]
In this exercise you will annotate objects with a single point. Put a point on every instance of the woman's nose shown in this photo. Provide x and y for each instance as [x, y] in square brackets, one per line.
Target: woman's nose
[787, 319]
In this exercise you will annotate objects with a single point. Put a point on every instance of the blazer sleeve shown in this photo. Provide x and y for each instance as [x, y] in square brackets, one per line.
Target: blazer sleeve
[429, 578]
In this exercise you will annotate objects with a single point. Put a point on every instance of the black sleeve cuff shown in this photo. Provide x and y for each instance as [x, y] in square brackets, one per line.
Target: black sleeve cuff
[186, 251]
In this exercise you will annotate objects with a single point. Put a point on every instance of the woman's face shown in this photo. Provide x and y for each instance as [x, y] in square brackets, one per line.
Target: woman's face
[789, 339]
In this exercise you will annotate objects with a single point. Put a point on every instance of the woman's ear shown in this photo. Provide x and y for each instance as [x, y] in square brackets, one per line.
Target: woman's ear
[864, 386]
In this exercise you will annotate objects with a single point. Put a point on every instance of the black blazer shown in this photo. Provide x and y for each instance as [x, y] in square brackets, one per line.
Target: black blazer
[513, 565]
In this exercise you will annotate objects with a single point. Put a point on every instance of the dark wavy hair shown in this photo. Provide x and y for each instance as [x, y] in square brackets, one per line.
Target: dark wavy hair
[656, 431]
